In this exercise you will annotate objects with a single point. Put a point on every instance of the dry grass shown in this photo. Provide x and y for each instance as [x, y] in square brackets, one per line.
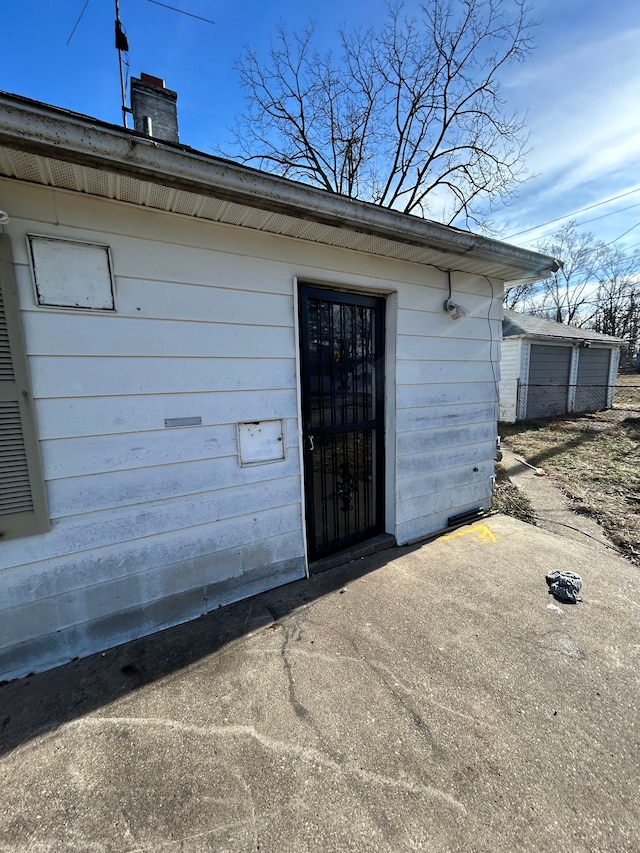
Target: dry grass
[509, 500]
[628, 393]
[595, 459]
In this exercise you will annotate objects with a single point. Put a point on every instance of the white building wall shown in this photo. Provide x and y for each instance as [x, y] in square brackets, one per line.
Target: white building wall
[447, 391]
[153, 526]
[509, 379]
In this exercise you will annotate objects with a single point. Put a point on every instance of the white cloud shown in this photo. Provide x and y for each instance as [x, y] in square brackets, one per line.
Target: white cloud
[583, 120]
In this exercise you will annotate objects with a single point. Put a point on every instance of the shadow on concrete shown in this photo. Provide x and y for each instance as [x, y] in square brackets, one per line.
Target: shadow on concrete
[38, 704]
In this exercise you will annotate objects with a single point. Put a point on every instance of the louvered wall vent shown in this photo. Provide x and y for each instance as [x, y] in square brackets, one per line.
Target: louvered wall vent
[15, 486]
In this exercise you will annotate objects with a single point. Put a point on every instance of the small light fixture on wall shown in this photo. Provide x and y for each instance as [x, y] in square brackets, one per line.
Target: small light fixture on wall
[454, 309]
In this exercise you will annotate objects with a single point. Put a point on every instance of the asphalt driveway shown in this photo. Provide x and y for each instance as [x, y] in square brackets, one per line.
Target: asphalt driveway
[434, 698]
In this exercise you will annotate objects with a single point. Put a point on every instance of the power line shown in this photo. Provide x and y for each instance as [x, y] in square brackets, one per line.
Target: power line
[585, 222]
[611, 242]
[567, 215]
[155, 2]
[611, 213]
[624, 233]
[75, 26]
[181, 11]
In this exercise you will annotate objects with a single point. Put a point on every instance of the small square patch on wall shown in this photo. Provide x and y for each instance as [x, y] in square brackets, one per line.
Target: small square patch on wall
[260, 441]
[72, 274]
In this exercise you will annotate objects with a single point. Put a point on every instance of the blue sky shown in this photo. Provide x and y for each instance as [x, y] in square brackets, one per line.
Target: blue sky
[580, 89]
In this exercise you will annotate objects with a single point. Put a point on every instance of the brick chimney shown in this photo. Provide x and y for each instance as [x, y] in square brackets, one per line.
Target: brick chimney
[154, 108]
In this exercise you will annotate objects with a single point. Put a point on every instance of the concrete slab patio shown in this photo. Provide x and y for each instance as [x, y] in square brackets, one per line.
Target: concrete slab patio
[434, 698]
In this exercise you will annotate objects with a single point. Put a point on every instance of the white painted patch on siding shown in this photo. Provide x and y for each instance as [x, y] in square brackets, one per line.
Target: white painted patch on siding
[260, 442]
[72, 274]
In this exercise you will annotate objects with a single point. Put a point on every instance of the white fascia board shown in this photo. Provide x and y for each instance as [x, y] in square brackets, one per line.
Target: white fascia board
[574, 340]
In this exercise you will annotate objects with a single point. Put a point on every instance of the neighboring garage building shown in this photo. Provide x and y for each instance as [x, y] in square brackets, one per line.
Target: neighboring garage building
[549, 369]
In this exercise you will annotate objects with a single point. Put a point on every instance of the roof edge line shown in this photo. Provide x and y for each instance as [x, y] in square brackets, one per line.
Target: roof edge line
[52, 132]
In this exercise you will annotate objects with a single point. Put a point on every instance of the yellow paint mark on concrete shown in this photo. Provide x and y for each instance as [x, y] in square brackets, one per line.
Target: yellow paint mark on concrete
[480, 531]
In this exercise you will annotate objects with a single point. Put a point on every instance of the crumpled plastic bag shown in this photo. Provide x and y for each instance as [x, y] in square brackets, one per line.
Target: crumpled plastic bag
[564, 586]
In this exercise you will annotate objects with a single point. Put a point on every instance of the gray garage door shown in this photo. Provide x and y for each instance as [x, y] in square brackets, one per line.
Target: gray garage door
[593, 376]
[548, 381]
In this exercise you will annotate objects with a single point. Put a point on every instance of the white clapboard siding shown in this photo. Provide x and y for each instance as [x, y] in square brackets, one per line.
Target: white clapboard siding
[434, 325]
[93, 530]
[510, 358]
[90, 493]
[33, 580]
[84, 334]
[414, 396]
[444, 417]
[162, 300]
[414, 347]
[438, 372]
[219, 254]
[199, 331]
[446, 395]
[95, 600]
[438, 508]
[139, 296]
[418, 441]
[426, 491]
[425, 485]
[75, 457]
[231, 268]
[62, 376]
[470, 291]
[61, 418]
[433, 502]
[426, 462]
[508, 411]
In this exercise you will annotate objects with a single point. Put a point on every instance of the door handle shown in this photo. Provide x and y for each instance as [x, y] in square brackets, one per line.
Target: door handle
[311, 444]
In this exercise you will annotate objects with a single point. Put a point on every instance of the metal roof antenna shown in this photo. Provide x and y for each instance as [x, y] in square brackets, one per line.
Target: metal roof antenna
[122, 46]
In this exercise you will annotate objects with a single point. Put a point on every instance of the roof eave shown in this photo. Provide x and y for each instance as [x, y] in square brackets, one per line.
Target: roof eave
[51, 132]
[574, 339]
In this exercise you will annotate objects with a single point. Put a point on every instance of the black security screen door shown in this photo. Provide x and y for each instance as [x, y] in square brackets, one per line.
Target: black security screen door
[342, 354]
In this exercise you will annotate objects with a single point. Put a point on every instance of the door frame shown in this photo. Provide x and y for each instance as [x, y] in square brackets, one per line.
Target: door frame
[383, 461]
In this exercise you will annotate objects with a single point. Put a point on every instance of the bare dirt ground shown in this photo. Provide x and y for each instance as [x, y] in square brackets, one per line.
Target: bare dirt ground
[595, 459]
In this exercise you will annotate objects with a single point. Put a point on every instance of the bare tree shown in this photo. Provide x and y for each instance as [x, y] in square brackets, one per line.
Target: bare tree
[618, 298]
[598, 287]
[409, 116]
[569, 295]
[519, 296]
